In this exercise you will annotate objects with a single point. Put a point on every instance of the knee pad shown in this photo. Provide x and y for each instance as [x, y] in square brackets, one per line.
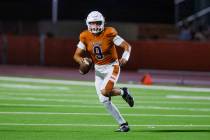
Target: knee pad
[104, 99]
[107, 103]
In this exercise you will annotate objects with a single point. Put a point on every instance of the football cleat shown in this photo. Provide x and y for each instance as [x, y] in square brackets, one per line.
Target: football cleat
[123, 128]
[127, 97]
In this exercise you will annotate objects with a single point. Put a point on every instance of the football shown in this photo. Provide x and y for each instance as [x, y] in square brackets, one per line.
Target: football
[85, 67]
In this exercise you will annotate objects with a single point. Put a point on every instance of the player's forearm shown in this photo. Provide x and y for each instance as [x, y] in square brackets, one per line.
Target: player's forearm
[78, 58]
[127, 50]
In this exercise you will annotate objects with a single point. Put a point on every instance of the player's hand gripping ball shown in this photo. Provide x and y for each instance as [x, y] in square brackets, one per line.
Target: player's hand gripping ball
[85, 66]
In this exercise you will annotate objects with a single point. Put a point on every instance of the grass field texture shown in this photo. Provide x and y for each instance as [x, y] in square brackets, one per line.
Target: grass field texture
[45, 109]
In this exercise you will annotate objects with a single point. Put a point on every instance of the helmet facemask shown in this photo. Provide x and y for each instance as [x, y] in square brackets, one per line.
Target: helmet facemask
[95, 22]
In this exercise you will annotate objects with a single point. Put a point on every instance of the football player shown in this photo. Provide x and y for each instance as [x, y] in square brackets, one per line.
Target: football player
[101, 42]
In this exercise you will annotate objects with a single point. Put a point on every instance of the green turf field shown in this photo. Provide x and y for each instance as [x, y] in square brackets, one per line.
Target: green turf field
[34, 109]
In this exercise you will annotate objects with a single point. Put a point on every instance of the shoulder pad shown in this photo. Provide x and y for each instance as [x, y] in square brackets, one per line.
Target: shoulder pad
[83, 35]
[110, 32]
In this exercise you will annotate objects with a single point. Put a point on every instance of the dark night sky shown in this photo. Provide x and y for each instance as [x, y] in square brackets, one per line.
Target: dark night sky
[158, 11]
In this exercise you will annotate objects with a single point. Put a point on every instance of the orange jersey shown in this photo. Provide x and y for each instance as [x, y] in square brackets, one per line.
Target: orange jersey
[101, 47]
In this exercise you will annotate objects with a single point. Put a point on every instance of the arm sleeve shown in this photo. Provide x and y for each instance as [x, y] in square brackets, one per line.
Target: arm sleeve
[117, 40]
[112, 32]
[81, 45]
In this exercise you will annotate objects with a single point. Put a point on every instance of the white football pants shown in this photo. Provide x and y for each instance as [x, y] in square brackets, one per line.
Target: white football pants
[106, 77]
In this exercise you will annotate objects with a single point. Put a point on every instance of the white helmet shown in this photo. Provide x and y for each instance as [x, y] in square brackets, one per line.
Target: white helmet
[95, 16]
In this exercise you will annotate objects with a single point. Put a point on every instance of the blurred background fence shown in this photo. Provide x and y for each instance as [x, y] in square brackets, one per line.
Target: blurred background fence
[166, 35]
[146, 54]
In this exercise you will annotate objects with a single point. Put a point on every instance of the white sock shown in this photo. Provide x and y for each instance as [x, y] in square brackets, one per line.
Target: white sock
[121, 92]
[114, 112]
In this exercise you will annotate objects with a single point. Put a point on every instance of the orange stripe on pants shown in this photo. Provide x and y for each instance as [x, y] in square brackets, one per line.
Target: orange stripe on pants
[110, 83]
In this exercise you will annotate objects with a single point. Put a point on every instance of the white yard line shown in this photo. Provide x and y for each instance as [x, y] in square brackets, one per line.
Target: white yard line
[175, 102]
[175, 108]
[4, 95]
[84, 104]
[33, 96]
[57, 94]
[101, 125]
[47, 105]
[34, 87]
[101, 114]
[81, 101]
[85, 83]
[98, 105]
[188, 97]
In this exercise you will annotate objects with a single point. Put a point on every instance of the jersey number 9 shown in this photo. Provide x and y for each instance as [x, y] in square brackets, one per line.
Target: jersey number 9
[98, 52]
